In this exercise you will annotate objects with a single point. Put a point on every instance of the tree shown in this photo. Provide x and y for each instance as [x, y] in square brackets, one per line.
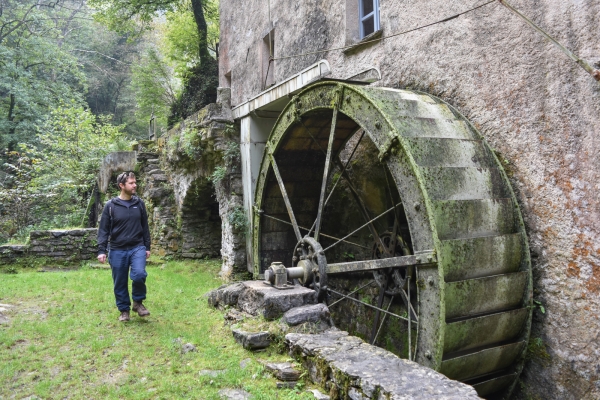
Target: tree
[36, 70]
[119, 15]
[50, 186]
[198, 70]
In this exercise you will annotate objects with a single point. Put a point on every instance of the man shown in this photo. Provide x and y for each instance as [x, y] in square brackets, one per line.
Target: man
[125, 222]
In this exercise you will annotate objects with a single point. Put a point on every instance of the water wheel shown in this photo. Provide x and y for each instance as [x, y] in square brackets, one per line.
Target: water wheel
[405, 224]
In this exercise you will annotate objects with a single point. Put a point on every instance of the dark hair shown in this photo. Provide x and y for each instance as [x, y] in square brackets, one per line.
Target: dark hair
[122, 178]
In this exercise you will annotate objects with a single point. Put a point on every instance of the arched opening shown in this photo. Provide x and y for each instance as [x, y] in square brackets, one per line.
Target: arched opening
[200, 222]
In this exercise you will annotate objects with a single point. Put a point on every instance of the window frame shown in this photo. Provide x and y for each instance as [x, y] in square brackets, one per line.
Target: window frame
[362, 18]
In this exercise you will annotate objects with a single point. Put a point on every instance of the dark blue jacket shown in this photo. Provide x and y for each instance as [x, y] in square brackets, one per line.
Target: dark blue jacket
[125, 227]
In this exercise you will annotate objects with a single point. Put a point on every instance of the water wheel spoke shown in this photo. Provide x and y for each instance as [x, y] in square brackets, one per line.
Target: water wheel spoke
[383, 322]
[326, 170]
[367, 304]
[362, 226]
[286, 199]
[409, 307]
[351, 293]
[377, 314]
[308, 230]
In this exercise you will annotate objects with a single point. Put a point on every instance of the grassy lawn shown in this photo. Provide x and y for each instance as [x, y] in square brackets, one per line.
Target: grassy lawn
[63, 339]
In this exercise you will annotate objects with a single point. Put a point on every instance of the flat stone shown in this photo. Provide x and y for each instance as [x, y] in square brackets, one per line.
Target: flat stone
[245, 362]
[286, 385]
[211, 373]
[234, 394]
[260, 299]
[283, 371]
[369, 371]
[252, 341]
[160, 178]
[188, 347]
[318, 395]
[226, 295]
[314, 313]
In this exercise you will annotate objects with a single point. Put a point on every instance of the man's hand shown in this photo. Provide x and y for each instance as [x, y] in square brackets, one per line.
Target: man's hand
[102, 258]
[147, 255]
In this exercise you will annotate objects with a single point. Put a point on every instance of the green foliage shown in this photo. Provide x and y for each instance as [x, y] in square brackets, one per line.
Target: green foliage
[154, 87]
[181, 37]
[191, 143]
[237, 219]
[218, 175]
[37, 68]
[540, 306]
[199, 89]
[49, 186]
[232, 154]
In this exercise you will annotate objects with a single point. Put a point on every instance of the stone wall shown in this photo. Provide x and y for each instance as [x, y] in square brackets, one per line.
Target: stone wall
[537, 108]
[190, 179]
[70, 245]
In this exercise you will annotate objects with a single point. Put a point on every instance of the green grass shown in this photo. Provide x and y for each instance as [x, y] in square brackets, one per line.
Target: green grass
[64, 341]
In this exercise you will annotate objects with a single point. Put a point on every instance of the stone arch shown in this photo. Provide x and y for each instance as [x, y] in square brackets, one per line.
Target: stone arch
[200, 221]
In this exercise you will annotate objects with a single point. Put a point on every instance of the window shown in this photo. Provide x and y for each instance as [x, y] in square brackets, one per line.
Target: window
[369, 17]
[268, 66]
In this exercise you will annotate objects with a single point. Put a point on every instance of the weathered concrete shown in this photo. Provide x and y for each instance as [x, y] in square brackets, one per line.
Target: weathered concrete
[350, 368]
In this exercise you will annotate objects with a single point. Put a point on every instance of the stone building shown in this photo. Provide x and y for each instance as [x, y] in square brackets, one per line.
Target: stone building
[536, 108]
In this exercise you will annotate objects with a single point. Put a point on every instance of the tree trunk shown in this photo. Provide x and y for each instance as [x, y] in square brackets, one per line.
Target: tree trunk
[11, 115]
[202, 30]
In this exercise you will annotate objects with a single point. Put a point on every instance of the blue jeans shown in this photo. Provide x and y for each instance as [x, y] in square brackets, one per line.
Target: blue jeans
[120, 261]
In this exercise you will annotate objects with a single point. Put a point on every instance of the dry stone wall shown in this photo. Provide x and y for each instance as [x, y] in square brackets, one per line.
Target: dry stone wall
[70, 245]
[191, 181]
[538, 109]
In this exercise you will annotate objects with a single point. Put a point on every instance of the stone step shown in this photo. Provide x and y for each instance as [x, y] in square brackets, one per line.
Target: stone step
[256, 298]
[348, 367]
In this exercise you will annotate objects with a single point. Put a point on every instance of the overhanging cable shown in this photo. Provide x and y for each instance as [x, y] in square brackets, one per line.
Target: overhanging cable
[390, 36]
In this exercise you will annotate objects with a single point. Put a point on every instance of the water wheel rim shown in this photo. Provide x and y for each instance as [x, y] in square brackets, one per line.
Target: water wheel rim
[391, 117]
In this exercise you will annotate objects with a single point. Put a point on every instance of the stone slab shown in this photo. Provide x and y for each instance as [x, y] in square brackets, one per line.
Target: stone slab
[250, 340]
[313, 313]
[260, 299]
[350, 368]
[283, 371]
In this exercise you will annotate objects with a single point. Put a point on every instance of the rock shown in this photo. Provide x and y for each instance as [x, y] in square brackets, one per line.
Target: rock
[286, 385]
[252, 341]
[188, 347]
[226, 295]
[211, 373]
[260, 299]
[361, 371]
[244, 363]
[234, 316]
[283, 371]
[3, 319]
[318, 395]
[234, 394]
[314, 313]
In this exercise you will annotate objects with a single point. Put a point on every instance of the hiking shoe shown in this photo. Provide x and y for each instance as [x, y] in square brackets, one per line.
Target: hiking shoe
[124, 317]
[140, 309]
